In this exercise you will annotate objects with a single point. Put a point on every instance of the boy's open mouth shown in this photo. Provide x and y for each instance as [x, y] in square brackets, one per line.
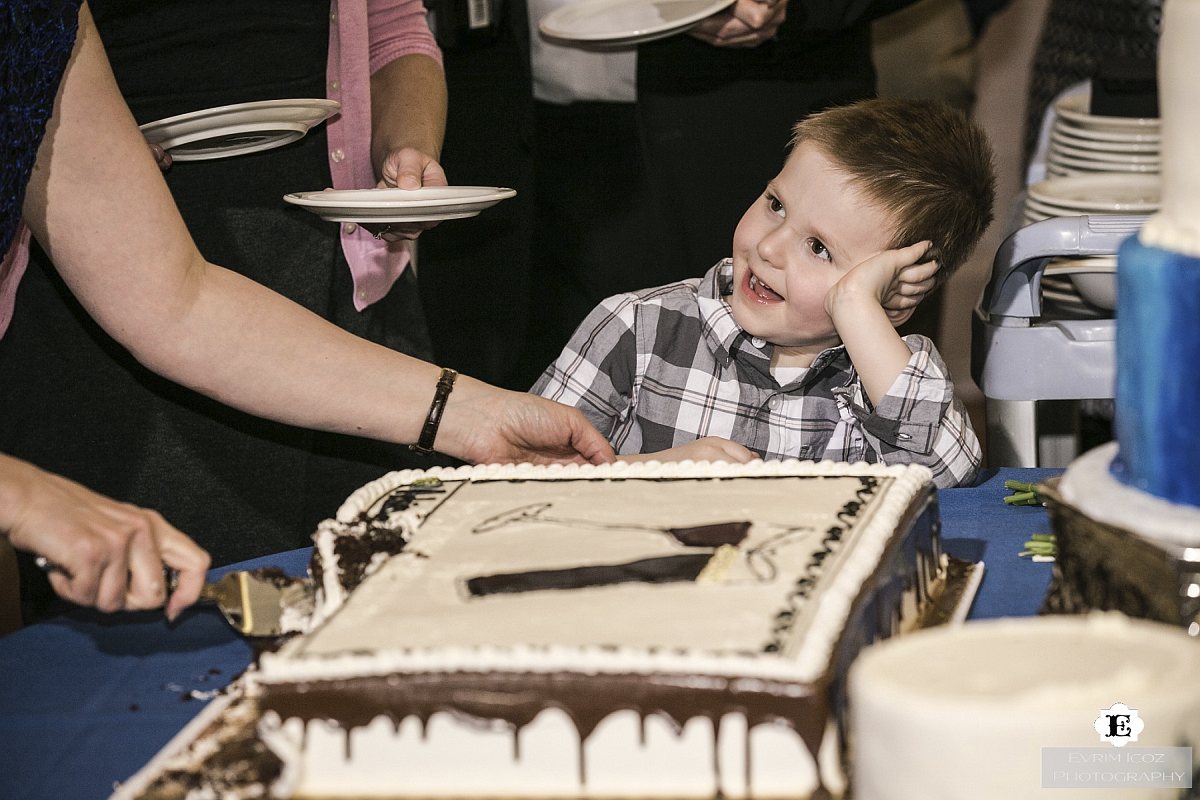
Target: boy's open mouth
[761, 290]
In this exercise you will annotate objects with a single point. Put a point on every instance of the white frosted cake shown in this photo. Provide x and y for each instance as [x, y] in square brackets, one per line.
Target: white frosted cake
[635, 630]
[967, 713]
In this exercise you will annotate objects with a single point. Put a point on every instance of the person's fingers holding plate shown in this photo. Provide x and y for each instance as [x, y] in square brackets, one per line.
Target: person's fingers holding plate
[760, 15]
[398, 231]
[728, 29]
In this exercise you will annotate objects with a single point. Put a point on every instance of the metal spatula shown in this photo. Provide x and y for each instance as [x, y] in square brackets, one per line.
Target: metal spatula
[253, 602]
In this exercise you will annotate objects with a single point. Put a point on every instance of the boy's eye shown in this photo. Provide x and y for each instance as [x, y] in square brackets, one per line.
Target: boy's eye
[819, 250]
[774, 204]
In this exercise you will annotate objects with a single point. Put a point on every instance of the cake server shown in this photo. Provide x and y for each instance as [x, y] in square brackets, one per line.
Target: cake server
[253, 602]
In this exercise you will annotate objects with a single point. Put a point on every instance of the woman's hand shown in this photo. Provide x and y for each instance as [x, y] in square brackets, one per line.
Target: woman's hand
[747, 23]
[708, 448]
[110, 555]
[407, 168]
[484, 425]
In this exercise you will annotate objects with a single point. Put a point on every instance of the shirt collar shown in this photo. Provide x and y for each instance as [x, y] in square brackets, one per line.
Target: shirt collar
[727, 339]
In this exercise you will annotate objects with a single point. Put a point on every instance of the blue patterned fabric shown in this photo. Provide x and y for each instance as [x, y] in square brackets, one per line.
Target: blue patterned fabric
[36, 37]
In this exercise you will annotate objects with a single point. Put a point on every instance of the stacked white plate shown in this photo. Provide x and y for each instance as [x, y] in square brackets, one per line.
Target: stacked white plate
[1087, 286]
[1086, 143]
[238, 129]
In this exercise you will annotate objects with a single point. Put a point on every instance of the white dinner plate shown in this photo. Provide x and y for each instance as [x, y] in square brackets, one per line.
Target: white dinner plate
[1111, 193]
[1046, 211]
[237, 129]
[625, 22]
[1092, 165]
[1074, 108]
[1095, 278]
[1063, 148]
[1062, 135]
[427, 204]
[1035, 211]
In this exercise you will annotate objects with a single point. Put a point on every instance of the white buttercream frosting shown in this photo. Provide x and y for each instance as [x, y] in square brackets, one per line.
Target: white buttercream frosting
[941, 710]
[1089, 486]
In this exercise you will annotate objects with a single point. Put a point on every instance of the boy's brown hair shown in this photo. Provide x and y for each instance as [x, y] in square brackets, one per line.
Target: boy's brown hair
[927, 165]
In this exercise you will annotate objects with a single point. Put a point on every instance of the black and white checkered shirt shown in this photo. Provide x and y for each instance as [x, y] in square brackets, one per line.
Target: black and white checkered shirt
[666, 366]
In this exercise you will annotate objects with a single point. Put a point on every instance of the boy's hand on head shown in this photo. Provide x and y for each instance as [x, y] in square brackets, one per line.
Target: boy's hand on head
[709, 448]
[895, 280]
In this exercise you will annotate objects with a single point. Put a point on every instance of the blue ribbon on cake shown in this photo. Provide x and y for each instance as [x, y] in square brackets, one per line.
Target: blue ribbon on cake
[1158, 372]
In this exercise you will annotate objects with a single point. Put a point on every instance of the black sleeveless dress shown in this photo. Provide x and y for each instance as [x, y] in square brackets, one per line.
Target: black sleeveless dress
[73, 401]
[36, 37]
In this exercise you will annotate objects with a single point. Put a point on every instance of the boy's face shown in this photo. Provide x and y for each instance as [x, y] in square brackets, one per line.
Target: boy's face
[807, 230]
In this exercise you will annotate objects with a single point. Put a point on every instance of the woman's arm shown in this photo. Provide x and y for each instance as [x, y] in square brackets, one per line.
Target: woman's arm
[408, 95]
[408, 122]
[100, 208]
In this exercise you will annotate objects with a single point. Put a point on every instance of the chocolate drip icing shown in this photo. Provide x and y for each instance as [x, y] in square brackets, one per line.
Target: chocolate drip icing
[515, 699]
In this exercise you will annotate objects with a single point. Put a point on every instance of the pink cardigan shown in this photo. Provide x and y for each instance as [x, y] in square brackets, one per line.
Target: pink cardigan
[364, 36]
[362, 39]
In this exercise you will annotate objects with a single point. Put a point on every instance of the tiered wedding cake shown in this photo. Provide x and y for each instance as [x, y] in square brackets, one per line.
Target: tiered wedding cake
[1128, 514]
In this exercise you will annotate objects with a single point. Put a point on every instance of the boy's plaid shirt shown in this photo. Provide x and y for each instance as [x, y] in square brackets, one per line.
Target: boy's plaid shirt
[662, 367]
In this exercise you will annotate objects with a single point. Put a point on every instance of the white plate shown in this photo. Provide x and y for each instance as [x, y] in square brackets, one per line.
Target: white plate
[625, 22]
[1095, 278]
[1063, 135]
[1035, 211]
[427, 204]
[1110, 193]
[1075, 109]
[1145, 136]
[1092, 165]
[1062, 148]
[1045, 210]
[1073, 266]
[237, 129]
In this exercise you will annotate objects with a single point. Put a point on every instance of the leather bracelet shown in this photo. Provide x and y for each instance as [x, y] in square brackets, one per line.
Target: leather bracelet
[440, 395]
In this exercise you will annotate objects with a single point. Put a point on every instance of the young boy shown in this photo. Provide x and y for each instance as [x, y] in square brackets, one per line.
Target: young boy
[789, 349]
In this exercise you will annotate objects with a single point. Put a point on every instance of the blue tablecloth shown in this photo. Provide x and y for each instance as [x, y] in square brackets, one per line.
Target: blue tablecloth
[87, 699]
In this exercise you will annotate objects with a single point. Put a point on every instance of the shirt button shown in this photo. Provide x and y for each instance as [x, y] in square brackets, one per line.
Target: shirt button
[334, 85]
[773, 402]
[349, 227]
[758, 342]
[333, 16]
[362, 294]
[337, 155]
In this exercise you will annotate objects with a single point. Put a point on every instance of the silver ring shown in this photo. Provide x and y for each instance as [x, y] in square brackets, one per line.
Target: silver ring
[381, 233]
